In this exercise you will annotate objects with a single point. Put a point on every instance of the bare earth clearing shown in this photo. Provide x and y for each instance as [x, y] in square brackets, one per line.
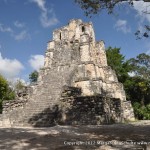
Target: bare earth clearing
[117, 136]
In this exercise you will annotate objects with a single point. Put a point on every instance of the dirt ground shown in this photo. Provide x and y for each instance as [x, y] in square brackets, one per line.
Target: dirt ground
[133, 136]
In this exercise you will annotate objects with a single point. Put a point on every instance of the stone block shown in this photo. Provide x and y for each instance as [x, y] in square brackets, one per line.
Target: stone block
[57, 35]
[90, 71]
[85, 53]
[128, 112]
[50, 45]
[84, 38]
[102, 74]
[6, 123]
[86, 87]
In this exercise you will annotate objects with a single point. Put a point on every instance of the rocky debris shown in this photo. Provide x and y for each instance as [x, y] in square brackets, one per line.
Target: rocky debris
[13, 104]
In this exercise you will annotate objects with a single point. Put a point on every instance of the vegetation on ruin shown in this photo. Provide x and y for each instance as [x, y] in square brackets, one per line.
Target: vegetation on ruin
[6, 92]
[118, 63]
[33, 76]
[9, 91]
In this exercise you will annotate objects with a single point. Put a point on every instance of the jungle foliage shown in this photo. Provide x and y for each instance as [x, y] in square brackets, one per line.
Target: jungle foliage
[135, 76]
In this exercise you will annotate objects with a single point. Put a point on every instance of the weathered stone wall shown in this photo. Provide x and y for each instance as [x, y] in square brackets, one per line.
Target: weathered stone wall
[73, 59]
[128, 111]
[93, 110]
[11, 105]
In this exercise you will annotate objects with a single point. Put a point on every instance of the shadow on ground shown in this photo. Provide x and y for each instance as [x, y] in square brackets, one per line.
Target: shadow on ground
[62, 137]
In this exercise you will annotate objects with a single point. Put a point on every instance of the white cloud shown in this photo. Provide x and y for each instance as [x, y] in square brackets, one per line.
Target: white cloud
[19, 24]
[41, 4]
[22, 35]
[141, 7]
[121, 25]
[10, 68]
[5, 29]
[46, 21]
[15, 81]
[36, 61]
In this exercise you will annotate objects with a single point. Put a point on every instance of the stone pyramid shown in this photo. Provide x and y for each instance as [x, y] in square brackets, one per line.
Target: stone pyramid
[75, 86]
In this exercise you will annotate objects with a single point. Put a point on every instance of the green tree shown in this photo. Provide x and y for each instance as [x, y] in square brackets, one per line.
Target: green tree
[121, 66]
[142, 113]
[3, 87]
[118, 63]
[137, 87]
[140, 88]
[6, 92]
[141, 65]
[92, 7]
[33, 76]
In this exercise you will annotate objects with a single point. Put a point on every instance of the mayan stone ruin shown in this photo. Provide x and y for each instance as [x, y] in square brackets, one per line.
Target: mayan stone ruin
[75, 86]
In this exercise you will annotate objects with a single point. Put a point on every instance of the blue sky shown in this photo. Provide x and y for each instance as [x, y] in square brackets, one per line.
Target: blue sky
[26, 26]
